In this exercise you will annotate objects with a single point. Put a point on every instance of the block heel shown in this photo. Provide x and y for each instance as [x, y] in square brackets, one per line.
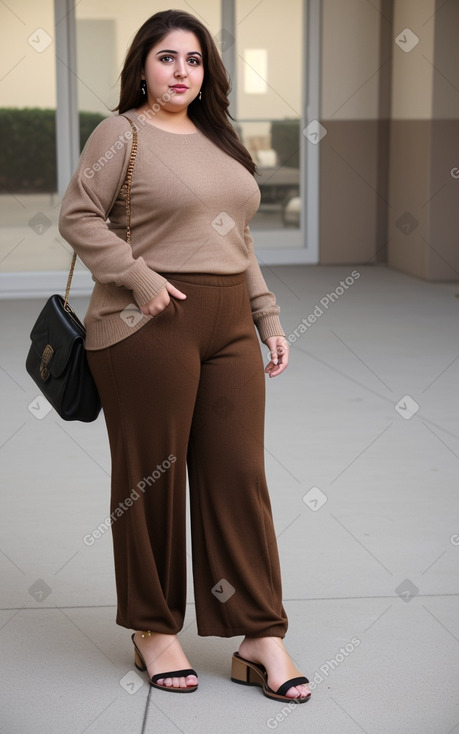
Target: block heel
[244, 674]
[138, 661]
[248, 673]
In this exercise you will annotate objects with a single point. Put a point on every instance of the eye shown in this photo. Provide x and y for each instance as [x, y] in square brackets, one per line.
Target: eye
[166, 58]
[195, 61]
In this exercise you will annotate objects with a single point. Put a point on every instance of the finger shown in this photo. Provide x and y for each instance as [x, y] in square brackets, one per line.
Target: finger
[282, 356]
[175, 291]
[271, 367]
[276, 369]
[156, 305]
[284, 359]
[276, 359]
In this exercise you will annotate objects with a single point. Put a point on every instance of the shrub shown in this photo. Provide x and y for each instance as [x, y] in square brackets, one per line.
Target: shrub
[28, 159]
[285, 140]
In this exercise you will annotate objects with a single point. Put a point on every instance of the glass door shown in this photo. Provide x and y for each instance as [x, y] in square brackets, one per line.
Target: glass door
[270, 80]
[272, 65]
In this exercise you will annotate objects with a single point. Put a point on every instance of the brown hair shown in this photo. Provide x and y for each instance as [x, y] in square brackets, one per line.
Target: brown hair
[210, 114]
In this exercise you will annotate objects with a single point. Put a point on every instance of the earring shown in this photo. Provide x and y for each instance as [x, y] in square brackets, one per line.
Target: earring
[200, 94]
[143, 87]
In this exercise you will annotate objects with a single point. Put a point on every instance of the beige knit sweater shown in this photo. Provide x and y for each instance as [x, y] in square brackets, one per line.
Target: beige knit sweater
[191, 208]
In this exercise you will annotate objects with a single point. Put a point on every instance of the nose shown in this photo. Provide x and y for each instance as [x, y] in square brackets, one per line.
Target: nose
[180, 70]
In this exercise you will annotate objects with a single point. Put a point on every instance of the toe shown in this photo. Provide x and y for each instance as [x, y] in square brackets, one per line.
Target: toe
[298, 692]
[181, 682]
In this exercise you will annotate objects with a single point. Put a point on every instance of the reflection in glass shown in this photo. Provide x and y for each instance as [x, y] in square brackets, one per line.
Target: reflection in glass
[268, 105]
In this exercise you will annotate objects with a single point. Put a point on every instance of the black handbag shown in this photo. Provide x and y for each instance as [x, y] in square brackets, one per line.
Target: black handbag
[57, 359]
[57, 362]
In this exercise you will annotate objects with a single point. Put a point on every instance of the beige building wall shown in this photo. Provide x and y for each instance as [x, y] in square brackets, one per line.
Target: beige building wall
[349, 154]
[411, 112]
[389, 167]
[412, 71]
[443, 255]
[350, 60]
[423, 217]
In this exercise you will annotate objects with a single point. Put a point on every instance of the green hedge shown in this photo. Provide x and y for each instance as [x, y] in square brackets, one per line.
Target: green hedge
[28, 153]
[285, 140]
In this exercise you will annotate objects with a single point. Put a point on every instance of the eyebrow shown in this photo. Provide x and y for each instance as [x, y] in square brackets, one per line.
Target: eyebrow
[170, 51]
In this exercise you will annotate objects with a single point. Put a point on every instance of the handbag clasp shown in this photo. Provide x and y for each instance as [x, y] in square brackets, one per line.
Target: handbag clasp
[46, 357]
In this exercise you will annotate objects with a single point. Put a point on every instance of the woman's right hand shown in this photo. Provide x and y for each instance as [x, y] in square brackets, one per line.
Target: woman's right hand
[159, 302]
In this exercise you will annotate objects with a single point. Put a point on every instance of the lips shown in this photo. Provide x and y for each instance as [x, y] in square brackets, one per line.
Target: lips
[179, 87]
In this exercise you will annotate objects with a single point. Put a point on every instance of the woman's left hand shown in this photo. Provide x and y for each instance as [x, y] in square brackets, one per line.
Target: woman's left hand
[278, 347]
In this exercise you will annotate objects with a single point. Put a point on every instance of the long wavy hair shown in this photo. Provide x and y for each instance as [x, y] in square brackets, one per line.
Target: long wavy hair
[210, 114]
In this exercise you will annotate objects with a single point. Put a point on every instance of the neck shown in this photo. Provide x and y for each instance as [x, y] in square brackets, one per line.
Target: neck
[171, 121]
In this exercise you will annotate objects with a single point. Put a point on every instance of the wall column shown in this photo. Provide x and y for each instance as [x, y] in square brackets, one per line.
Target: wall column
[423, 223]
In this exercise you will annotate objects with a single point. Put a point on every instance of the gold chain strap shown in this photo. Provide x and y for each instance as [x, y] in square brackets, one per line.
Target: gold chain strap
[69, 282]
[127, 184]
[128, 181]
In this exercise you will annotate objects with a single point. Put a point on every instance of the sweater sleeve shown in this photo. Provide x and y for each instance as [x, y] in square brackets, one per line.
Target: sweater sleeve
[86, 206]
[265, 311]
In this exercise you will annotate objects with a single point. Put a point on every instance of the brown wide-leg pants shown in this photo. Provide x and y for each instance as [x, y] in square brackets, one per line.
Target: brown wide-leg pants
[187, 390]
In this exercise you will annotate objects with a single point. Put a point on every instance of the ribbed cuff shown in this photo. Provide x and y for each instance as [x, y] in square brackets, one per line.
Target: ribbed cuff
[269, 325]
[144, 282]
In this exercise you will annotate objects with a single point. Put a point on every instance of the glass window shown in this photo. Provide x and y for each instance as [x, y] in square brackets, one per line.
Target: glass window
[28, 200]
[269, 104]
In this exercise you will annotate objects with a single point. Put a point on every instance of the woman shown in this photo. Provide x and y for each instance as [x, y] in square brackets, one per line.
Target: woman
[172, 346]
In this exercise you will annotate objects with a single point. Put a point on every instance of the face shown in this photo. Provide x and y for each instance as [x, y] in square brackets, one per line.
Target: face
[174, 67]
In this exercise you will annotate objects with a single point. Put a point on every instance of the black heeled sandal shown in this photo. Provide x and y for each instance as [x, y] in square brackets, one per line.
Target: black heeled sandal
[141, 665]
[254, 674]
